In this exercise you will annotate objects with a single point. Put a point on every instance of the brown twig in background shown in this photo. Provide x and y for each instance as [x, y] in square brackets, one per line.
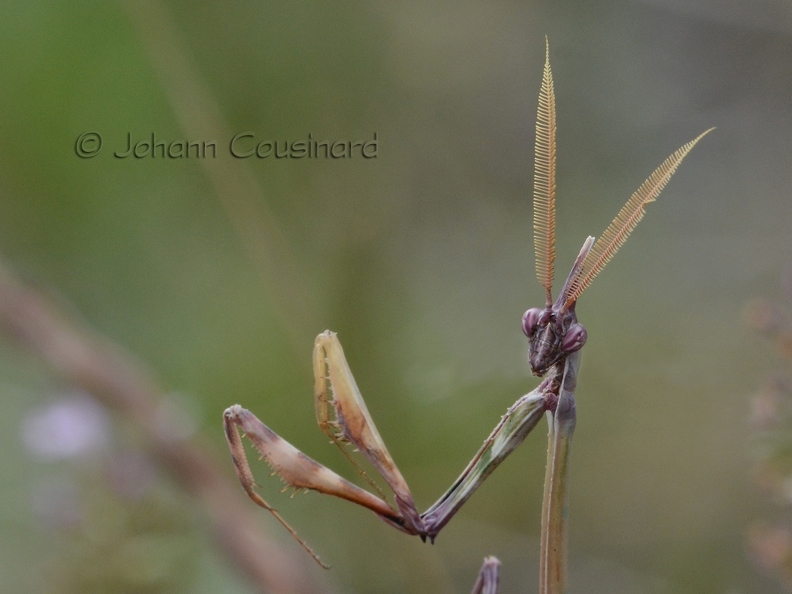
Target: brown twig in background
[122, 383]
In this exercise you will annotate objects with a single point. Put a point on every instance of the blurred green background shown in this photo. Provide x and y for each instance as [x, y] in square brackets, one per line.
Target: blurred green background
[420, 259]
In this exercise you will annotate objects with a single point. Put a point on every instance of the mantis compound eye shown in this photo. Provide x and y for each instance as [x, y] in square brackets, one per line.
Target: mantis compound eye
[574, 338]
[529, 321]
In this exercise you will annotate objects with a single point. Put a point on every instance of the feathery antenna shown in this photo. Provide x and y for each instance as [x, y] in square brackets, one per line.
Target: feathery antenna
[629, 216]
[544, 181]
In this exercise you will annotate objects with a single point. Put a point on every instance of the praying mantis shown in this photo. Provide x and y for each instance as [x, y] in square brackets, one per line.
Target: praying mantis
[555, 338]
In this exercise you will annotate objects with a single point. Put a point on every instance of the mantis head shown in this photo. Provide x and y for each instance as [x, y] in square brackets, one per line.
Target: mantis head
[554, 332]
[552, 335]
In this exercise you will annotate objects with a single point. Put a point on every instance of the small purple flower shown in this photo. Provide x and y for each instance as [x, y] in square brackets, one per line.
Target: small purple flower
[73, 425]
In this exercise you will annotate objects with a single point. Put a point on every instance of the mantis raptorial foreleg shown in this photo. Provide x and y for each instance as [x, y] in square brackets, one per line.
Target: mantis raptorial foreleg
[337, 395]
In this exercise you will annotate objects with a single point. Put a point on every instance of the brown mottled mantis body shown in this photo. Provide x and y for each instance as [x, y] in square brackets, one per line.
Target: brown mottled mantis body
[555, 339]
